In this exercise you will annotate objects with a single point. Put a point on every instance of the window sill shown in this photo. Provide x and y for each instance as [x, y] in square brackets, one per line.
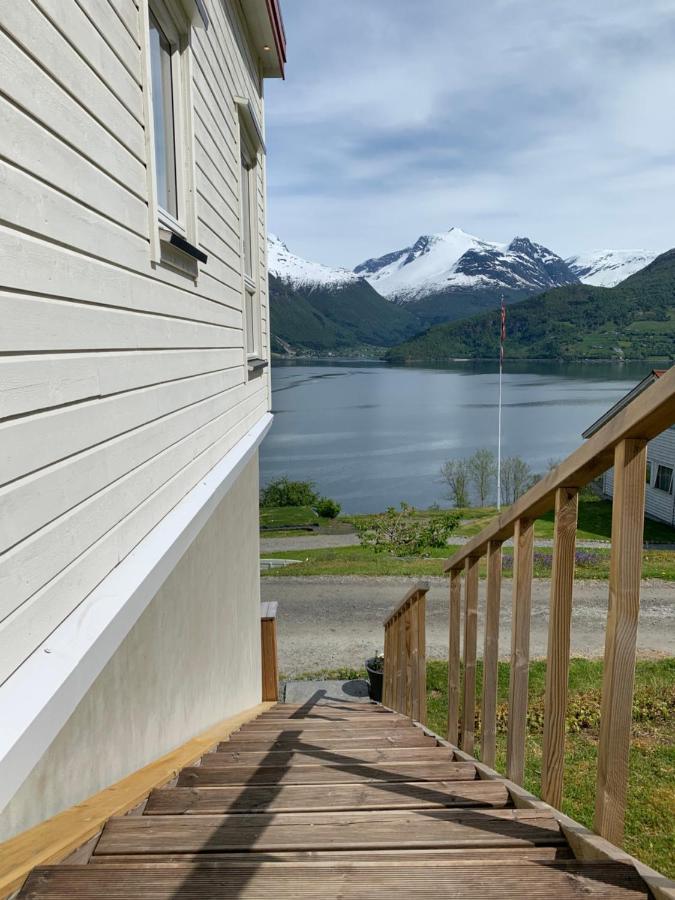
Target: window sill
[176, 240]
[255, 364]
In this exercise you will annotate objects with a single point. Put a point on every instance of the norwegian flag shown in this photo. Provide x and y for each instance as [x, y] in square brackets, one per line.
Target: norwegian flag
[502, 333]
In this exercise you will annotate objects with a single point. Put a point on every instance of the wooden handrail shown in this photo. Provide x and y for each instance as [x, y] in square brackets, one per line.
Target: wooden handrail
[404, 681]
[648, 415]
[621, 442]
[420, 587]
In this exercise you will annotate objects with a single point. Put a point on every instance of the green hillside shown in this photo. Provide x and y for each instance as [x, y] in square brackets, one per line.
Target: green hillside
[336, 318]
[634, 320]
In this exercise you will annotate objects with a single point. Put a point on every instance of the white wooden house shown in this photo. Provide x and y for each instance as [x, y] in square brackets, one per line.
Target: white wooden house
[660, 492]
[133, 388]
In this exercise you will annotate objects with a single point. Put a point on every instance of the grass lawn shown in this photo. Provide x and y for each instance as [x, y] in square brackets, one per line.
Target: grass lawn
[364, 561]
[650, 824]
[595, 522]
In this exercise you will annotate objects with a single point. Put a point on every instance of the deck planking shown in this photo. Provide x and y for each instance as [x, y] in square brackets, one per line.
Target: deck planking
[333, 802]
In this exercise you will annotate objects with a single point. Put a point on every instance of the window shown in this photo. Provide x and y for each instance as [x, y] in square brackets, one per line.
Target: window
[163, 117]
[648, 472]
[249, 248]
[169, 115]
[664, 479]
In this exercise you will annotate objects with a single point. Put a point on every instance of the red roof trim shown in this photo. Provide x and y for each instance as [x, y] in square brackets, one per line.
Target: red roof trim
[277, 22]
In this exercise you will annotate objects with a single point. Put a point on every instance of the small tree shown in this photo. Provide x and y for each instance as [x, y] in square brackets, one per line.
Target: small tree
[455, 475]
[283, 492]
[517, 477]
[483, 470]
[402, 533]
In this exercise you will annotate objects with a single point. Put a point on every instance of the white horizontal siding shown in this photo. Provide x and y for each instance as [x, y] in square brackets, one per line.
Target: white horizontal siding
[659, 505]
[122, 383]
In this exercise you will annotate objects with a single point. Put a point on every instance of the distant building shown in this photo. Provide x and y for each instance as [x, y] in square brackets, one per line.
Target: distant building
[660, 497]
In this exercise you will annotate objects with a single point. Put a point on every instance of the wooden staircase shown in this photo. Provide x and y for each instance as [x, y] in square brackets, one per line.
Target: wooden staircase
[332, 800]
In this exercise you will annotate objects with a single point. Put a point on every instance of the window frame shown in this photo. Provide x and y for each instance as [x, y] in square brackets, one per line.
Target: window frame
[176, 27]
[657, 486]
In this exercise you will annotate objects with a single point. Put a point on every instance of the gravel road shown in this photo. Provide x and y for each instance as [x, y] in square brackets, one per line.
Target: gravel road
[327, 622]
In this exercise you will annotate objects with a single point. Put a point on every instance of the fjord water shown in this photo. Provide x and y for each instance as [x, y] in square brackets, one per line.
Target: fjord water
[371, 435]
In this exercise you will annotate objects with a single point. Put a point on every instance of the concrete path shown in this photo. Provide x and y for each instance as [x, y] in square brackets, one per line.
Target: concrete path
[328, 622]
[355, 691]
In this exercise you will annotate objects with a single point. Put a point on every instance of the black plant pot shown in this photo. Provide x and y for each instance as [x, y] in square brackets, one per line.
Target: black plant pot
[375, 678]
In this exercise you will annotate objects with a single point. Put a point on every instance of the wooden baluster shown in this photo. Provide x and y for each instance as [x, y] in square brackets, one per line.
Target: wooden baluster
[558, 653]
[491, 654]
[386, 667]
[414, 655]
[400, 664]
[523, 540]
[630, 460]
[470, 640]
[453, 654]
[408, 668]
[422, 657]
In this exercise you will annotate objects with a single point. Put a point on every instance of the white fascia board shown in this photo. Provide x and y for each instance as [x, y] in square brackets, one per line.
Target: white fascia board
[40, 696]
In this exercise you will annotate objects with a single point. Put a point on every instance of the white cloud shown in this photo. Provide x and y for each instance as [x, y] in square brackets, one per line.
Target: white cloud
[505, 116]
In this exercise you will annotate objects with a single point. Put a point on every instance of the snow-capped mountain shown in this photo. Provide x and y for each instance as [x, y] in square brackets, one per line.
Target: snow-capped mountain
[457, 261]
[302, 272]
[605, 268]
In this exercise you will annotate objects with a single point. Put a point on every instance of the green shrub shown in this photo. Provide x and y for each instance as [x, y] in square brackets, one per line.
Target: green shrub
[401, 532]
[283, 492]
[327, 508]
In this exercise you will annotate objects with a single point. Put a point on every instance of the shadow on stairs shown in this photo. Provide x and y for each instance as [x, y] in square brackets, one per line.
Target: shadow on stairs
[333, 799]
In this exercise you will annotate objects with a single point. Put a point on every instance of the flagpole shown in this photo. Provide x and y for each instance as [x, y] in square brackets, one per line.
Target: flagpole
[502, 329]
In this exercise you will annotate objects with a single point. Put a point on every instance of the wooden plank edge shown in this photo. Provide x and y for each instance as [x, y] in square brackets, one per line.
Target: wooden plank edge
[54, 839]
[585, 844]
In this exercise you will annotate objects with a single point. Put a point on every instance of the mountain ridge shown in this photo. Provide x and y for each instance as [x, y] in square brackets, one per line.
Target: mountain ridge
[632, 320]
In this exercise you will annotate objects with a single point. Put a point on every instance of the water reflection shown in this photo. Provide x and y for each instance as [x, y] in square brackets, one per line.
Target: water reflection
[371, 435]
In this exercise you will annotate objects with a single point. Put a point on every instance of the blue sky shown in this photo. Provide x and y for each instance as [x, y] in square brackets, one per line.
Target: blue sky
[553, 119]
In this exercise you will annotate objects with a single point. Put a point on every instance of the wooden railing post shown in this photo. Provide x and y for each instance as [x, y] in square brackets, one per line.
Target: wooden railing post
[454, 616]
[268, 648]
[630, 460]
[523, 552]
[470, 641]
[488, 740]
[558, 653]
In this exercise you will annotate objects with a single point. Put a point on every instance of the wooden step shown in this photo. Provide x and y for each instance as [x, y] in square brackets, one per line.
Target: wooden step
[310, 735]
[410, 739]
[329, 728]
[345, 797]
[405, 770]
[333, 831]
[312, 757]
[338, 716]
[330, 881]
[461, 855]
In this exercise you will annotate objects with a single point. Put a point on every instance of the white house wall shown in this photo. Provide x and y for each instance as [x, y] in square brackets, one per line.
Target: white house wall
[192, 659]
[122, 383]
